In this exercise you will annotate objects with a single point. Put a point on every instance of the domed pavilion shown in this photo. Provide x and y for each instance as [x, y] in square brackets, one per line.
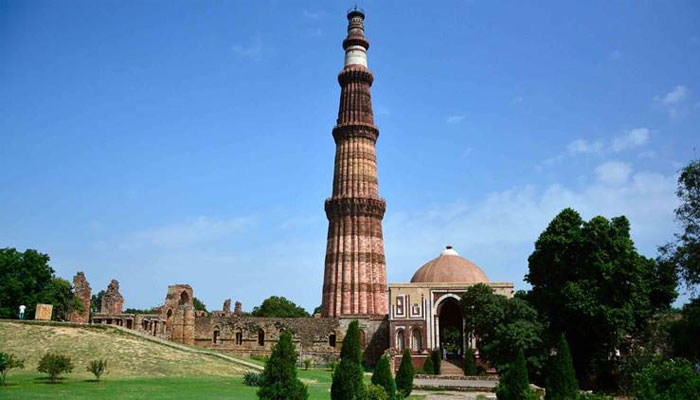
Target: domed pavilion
[425, 314]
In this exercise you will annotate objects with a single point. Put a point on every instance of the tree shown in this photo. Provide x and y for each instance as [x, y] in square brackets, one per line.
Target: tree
[199, 305]
[376, 392]
[436, 358]
[59, 293]
[279, 307]
[97, 367]
[470, 363]
[318, 310]
[671, 379]
[589, 282]
[684, 254]
[279, 379]
[54, 365]
[348, 377]
[24, 276]
[404, 377]
[428, 367]
[685, 332]
[514, 383]
[561, 377]
[8, 362]
[382, 377]
[96, 302]
[504, 326]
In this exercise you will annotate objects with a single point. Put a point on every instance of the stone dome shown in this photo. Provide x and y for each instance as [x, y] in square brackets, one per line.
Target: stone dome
[449, 267]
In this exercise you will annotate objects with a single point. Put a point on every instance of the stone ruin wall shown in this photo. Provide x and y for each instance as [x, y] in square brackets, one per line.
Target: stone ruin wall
[83, 292]
[312, 337]
[112, 301]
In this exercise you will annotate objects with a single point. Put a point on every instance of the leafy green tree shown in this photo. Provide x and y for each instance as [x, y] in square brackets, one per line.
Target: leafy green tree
[436, 358]
[318, 310]
[514, 383]
[382, 377]
[59, 293]
[96, 302]
[25, 275]
[504, 326]
[348, 377]
[279, 379]
[428, 367]
[561, 377]
[139, 310]
[279, 307]
[589, 282]
[54, 365]
[671, 379]
[470, 363]
[8, 362]
[685, 252]
[199, 305]
[404, 377]
[685, 332]
[97, 367]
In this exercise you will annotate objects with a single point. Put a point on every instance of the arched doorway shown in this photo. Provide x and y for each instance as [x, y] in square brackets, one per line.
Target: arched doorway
[451, 328]
[169, 320]
[400, 341]
[184, 298]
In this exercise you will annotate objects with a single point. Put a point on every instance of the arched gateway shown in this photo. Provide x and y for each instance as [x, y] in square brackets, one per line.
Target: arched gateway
[430, 304]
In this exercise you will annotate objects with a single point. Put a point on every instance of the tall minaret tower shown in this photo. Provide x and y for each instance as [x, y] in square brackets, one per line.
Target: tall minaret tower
[354, 282]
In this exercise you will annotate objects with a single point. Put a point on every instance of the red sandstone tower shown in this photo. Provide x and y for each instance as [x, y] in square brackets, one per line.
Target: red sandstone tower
[355, 272]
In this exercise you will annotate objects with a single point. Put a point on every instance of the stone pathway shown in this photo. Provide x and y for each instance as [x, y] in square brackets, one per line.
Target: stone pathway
[450, 368]
[431, 395]
[456, 383]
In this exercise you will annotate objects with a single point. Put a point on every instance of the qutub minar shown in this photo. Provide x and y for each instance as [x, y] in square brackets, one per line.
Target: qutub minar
[415, 315]
[354, 282]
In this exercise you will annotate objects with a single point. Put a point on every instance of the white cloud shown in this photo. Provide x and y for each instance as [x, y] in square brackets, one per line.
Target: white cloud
[678, 94]
[498, 230]
[582, 146]
[613, 172]
[454, 119]
[633, 138]
[186, 233]
[254, 51]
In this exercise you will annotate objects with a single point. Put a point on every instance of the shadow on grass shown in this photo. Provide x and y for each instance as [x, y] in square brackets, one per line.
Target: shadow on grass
[8, 384]
[47, 380]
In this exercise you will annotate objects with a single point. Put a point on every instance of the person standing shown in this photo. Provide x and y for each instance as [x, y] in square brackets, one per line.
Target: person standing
[21, 311]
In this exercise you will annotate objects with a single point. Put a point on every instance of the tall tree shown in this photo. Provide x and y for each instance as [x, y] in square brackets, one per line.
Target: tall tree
[59, 293]
[25, 275]
[348, 383]
[279, 379]
[279, 307]
[96, 302]
[404, 376]
[382, 377]
[589, 282]
[561, 377]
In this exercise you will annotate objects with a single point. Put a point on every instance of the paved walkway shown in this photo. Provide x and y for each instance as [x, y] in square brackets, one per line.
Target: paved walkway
[456, 383]
[432, 395]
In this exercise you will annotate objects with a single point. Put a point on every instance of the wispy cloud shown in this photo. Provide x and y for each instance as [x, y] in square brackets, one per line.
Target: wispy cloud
[253, 51]
[455, 119]
[630, 139]
[185, 233]
[674, 102]
[613, 172]
[633, 138]
[583, 146]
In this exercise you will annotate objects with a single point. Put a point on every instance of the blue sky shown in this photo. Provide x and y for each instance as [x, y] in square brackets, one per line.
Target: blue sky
[169, 142]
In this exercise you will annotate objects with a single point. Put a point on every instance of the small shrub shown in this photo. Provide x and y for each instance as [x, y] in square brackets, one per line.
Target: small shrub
[404, 377]
[8, 362]
[671, 379]
[428, 367]
[436, 358]
[252, 378]
[97, 367]
[382, 377]
[54, 365]
[561, 381]
[376, 392]
[307, 364]
[481, 370]
[470, 363]
[514, 383]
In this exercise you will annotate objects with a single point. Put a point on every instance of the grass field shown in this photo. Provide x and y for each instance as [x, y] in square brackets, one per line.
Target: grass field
[137, 368]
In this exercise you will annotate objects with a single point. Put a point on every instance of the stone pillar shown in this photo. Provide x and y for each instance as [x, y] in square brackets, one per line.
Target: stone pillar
[227, 307]
[177, 325]
[188, 326]
[238, 310]
[112, 301]
[83, 292]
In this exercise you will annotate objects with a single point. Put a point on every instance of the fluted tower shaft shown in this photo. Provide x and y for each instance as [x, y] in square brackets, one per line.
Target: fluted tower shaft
[355, 270]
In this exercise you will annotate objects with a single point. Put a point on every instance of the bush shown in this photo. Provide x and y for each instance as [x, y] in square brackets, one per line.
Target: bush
[279, 379]
[97, 367]
[382, 377]
[54, 365]
[671, 379]
[252, 378]
[437, 361]
[376, 392]
[470, 363]
[8, 362]
[307, 364]
[348, 378]
[428, 367]
[561, 380]
[515, 384]
[404, 378]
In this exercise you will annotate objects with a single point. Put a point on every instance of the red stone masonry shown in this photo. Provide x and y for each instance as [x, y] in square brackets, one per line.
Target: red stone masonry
[355, 268]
